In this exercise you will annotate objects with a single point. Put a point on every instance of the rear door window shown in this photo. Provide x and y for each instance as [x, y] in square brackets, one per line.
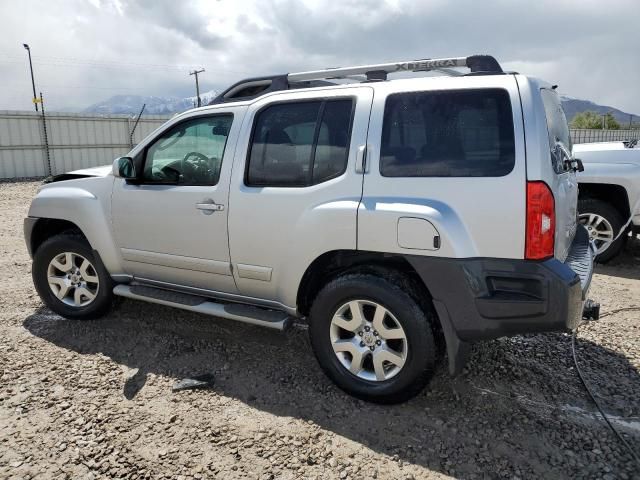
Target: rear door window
[297, 144]
[453, 133]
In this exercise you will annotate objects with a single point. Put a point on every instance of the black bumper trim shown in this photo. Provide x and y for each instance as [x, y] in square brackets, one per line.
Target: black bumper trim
[487, 298]
[580, 259]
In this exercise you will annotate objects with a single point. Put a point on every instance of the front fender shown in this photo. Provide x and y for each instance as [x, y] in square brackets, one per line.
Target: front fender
[86, 203]
[626, 175]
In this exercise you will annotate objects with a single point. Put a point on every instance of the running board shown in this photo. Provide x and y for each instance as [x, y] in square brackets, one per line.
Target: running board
[193, 303]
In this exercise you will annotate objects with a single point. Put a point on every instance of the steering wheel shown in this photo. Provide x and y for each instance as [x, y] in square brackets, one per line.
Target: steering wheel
[167, 173]
[201, 157]
[196, 169]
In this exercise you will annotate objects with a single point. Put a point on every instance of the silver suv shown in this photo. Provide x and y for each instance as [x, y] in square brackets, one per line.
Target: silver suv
[401, 219]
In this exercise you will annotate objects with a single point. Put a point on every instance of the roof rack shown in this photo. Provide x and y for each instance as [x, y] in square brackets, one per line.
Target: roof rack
[255, 87]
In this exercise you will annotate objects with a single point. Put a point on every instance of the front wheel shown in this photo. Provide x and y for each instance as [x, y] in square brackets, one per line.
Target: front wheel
[372, 338]
[70, 280]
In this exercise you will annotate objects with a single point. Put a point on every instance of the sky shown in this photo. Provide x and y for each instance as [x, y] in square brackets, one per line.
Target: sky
[85, 51]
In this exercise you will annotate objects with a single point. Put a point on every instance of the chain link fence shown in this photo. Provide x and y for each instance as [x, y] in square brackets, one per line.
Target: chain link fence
[584, 135]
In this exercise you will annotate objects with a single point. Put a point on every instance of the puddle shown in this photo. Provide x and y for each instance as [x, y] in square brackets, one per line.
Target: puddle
[629, 423]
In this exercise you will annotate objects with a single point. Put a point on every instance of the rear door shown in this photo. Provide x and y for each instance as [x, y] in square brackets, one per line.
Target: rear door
[564, 183]
[446, 169]
[295, 186]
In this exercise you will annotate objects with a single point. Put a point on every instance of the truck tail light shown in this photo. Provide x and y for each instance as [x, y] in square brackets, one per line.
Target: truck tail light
[541, 222]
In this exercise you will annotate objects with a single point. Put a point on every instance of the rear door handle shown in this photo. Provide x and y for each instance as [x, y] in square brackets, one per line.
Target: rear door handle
[361, 159]
[209, 206]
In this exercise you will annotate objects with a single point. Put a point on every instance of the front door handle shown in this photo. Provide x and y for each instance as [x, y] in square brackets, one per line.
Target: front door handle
[208, 206]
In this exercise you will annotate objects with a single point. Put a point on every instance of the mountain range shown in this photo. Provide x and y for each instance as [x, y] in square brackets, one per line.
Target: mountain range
[573, 106]
[131, 105]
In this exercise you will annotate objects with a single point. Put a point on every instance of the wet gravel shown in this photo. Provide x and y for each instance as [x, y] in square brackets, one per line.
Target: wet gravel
[95, 400]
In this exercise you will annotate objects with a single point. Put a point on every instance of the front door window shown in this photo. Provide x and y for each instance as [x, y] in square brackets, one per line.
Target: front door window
[190, 153]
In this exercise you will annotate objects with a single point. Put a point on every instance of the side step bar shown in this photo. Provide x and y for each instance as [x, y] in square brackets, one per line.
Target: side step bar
[232, 311]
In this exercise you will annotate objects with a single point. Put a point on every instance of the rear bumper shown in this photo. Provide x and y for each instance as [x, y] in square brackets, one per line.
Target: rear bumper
[486, 298]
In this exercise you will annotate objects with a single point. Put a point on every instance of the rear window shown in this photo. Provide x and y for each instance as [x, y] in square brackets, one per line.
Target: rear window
[556, 120]
[453, 133]
[557, 127]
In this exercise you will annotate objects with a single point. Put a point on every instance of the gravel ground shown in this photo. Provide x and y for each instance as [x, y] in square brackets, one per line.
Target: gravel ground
[94, 399]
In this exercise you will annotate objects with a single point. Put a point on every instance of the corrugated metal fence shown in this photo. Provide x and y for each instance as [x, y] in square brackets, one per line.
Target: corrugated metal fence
[82, 141]
[75, 141]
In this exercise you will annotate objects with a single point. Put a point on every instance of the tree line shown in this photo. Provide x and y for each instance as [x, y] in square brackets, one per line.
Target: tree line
[597, 121]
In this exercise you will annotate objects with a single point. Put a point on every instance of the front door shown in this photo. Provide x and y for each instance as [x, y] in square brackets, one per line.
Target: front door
[171, 224]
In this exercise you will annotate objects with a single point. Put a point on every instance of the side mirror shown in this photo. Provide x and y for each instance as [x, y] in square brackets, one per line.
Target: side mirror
[123, 167]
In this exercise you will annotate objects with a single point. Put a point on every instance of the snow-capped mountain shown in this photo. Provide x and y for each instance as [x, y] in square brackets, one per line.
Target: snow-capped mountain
[131, 104]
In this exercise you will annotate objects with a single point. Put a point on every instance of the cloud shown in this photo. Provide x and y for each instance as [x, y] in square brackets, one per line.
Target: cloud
[148, 46]
[181, 17]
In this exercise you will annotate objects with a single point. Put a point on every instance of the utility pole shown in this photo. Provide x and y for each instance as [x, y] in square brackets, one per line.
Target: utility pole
[33, 83]
[196, 72]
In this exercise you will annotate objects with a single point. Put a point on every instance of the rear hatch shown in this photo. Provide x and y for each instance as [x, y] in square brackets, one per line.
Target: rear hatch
[563, 181]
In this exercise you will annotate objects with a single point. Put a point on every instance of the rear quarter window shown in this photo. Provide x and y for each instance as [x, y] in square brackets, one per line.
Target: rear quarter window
[453, 133]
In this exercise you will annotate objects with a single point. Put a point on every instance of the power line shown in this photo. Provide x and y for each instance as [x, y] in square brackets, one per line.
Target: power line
[73, 87]
[73, 62]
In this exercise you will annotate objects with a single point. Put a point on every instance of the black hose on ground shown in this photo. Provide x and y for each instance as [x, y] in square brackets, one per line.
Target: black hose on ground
[593, 397]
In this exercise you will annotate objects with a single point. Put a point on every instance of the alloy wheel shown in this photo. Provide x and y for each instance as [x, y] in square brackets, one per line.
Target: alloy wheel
[600, 230]
[73, 279]
[368, 340]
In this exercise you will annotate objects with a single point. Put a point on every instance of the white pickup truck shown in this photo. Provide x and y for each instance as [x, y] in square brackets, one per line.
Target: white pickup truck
[609, 193]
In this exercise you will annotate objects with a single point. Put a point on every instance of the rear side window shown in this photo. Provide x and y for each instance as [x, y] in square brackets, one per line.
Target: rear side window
[453, 133]
[297, 144]
[557, 128]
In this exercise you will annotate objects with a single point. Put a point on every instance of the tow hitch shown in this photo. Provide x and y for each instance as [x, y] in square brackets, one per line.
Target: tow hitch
[591, 310]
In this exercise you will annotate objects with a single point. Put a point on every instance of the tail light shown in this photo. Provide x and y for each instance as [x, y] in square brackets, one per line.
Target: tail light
[541, 222]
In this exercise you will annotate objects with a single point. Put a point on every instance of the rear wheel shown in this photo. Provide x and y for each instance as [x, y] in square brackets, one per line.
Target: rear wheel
[372, 338]
[70, 280]
[603, 222]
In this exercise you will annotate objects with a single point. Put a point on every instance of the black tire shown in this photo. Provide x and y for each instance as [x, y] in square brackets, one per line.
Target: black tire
[421, 353]
[74, 243]
[613, 216]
